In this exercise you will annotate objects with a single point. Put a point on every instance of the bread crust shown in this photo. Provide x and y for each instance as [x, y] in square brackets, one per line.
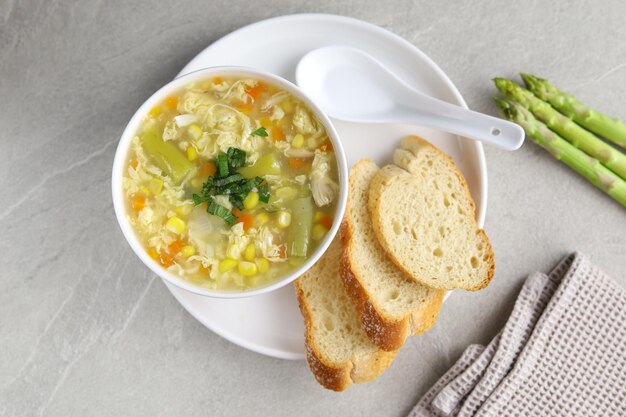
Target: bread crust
[391, 173]
[387, 333]
[339, 376]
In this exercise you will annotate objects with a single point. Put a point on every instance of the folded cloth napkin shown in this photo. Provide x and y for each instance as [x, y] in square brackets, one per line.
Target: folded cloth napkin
[561, 353]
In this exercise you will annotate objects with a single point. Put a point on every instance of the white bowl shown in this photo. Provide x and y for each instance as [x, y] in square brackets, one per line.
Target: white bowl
[174, 87]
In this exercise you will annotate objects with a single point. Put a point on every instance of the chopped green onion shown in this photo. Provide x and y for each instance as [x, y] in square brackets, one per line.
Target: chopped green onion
[222, 212]
[221, 182]
[208, 186]
[264, 192]
[250, 184]
[236, 157]
[197, 199]
[222, 165]
[236, 200]
[259, 132]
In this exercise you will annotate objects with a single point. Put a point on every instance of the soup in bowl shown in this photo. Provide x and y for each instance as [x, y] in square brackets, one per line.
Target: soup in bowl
[229, 182]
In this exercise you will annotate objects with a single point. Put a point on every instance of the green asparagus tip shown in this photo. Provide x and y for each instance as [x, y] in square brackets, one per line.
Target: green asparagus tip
[530, 79]
[506, 107]
[501, 84]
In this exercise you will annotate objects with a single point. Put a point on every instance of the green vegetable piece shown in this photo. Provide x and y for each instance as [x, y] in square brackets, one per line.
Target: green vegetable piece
[236, 157]
[167, 156]
[222, 165]
[221, 182]
[236, 200]
[590, 168]
[208, 186]
[198, 199]
[259, 132]
[222, 212]
[264, 192]
[268, 164]
[591, 119]
[250, 185]
[299, 236]
[564, 127]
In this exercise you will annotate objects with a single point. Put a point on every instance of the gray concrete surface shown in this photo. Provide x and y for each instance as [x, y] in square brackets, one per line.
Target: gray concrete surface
[86, 330]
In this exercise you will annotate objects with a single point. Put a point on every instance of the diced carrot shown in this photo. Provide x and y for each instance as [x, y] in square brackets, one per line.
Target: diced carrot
[326, 146]
[208, 169]
[266, 122]
[237, 212]
[297, 162]
[277, 133]
[247, 221]
[176, 246]
[218, 80]
[255, 91]
[327, 221]
[152, 252]
[133, 163]
[171, 102]
[203, 270]
[282, 251]
[139, 202]
[165, 259]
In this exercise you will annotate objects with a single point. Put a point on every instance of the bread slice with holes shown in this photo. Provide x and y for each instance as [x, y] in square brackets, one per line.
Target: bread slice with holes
[339, 352]
[392, 305]
[423, 216]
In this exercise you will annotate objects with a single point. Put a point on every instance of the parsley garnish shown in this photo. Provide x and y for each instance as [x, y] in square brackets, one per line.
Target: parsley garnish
[260, 132]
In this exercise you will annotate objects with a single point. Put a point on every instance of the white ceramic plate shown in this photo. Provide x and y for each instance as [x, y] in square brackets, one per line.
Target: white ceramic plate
[271, 324]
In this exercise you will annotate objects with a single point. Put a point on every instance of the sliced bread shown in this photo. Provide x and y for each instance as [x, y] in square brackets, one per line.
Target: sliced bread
[423, 216]
[392, 305]
[339, 352]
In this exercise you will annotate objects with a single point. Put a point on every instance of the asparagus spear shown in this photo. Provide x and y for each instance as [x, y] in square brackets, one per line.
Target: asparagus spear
[567, 129]
[562, 150]
[593, 120]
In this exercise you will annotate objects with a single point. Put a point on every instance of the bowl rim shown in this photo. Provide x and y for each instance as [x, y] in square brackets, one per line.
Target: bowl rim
[176, 84]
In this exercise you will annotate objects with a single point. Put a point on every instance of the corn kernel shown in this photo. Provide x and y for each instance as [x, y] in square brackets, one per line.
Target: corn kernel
[284, 219]
[183, 209]
[155, 185]
[262, 218]
[298, 141]
[233, 252]
[247, 269]
[152, 252]
[188, 251]
[226, 265]
[176, 225]
[249, 253]
[318, 216]
[251, 200]
[144, 190]
[191, 153]
[194, 131]
[319, 231]
[263, 265]
[155, 111]
[287, 106]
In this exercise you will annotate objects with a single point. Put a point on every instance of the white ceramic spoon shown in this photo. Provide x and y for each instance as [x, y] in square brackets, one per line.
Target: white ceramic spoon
[350, 85]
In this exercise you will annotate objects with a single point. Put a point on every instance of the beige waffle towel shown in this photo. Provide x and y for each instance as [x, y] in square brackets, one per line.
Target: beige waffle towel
[561, 353]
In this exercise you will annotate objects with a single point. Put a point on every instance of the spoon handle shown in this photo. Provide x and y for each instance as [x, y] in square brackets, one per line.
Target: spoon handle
[428, 111]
